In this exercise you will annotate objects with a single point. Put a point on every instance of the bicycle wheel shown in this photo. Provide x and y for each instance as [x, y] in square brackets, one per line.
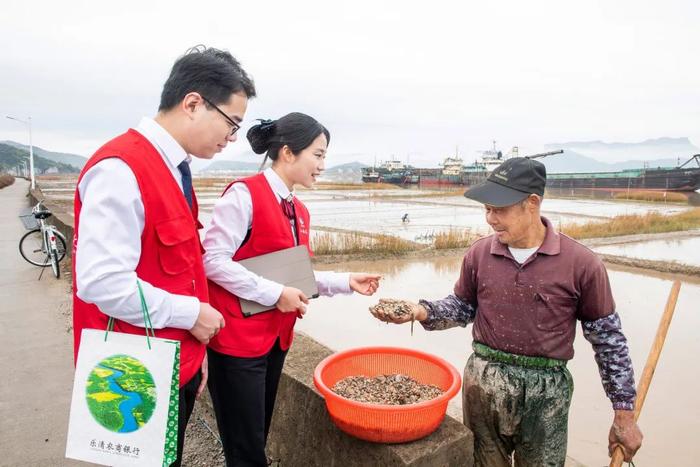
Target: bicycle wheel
[33, 249]
[54, 264]
[60, 246]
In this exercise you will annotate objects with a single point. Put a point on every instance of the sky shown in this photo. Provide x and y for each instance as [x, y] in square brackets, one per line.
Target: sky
[415, 81]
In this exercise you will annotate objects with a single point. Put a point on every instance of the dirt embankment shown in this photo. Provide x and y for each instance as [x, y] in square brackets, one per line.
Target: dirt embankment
[596, 242]
[6, 180]
[688, 273]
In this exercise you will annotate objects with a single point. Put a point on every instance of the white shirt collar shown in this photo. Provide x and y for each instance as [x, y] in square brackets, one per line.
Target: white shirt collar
[278, 186]
[163, 141]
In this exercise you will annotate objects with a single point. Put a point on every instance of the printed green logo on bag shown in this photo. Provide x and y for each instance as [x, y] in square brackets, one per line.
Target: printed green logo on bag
[121, 394]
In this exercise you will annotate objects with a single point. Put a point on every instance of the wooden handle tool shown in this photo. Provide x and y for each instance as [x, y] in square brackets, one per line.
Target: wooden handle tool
[652, 359]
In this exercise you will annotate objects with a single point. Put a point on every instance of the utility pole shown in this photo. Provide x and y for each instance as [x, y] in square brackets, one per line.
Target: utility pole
[28, 122]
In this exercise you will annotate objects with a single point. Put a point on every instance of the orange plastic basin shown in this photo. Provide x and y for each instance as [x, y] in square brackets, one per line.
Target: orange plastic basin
[387, 423]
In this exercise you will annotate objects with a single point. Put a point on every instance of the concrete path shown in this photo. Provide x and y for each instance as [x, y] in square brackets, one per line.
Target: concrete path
[37, 352]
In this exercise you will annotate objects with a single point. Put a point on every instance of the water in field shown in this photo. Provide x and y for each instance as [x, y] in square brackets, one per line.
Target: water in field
[680, 250]
[382, 211]
[670, 418]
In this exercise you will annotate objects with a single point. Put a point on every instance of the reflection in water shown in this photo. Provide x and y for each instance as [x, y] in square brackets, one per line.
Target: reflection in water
[670, 417]
[390, 269]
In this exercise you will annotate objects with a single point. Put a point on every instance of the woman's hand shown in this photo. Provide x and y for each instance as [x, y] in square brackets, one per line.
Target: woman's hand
[292, 300]
[365, 284]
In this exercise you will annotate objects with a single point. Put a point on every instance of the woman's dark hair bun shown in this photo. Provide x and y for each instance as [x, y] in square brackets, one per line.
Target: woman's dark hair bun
[295, 130]
[260, 135]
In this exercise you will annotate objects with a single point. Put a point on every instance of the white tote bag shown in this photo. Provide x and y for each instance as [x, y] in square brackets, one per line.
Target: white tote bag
[124, 410]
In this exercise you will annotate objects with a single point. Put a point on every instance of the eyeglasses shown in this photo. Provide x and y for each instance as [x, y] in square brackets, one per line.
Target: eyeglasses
[234, 126]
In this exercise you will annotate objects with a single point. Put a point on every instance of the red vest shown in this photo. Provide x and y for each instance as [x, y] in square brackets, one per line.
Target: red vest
[270, 231]
[171, 253]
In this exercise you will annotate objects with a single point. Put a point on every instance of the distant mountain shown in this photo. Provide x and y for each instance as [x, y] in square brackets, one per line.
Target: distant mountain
[572, 161]
[63, 157]
[12, 157]
[346, 168]
[651, 150]
[350, 172]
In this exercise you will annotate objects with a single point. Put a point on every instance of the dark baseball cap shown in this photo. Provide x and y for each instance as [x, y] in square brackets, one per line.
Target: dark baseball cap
[510, 183]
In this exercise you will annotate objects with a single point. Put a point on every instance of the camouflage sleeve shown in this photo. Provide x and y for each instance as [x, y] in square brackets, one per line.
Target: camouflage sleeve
[613, 359]
[447, 313]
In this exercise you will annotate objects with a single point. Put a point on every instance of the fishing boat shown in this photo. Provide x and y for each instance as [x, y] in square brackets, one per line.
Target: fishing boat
[391, 171]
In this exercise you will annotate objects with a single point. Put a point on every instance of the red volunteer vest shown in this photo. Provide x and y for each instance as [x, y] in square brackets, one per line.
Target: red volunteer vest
[270, 231]
[171, 253]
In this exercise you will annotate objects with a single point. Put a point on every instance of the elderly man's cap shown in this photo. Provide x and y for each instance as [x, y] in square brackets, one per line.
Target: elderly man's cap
[510, 183]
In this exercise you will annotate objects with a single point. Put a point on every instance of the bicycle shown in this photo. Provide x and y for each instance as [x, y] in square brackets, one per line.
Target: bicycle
[43, 245]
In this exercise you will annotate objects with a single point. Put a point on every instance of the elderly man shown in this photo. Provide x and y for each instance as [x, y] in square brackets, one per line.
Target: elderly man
[523, 288]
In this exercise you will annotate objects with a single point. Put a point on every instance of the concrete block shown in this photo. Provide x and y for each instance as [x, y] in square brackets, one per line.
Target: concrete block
[302, 433]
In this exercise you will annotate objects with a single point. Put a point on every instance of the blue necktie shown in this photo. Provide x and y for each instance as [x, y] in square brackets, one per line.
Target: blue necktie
[184, 169]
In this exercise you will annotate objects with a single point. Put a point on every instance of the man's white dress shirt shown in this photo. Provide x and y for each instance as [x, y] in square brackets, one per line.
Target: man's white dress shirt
[230, 222]
[109, 240]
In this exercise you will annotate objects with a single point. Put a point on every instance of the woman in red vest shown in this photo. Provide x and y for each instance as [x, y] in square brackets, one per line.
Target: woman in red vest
[254, 216]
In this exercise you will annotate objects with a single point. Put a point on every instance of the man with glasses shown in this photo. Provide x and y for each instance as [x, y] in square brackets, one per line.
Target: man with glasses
[234, 126]
[136, 217]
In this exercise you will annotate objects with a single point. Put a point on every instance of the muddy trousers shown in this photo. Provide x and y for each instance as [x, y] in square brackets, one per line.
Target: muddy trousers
[518, 415]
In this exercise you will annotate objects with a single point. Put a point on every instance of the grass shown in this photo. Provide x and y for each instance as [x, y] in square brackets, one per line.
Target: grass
[327, 243]
[6, 180]
[636, 224]
[209, 182]
[60, 177]
[350, 186]
[446, 193]
[453, 238]
[205, 182]
[653, 196]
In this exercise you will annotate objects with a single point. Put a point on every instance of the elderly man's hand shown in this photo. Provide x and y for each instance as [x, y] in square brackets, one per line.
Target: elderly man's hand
[398, 311]
[625, 433]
